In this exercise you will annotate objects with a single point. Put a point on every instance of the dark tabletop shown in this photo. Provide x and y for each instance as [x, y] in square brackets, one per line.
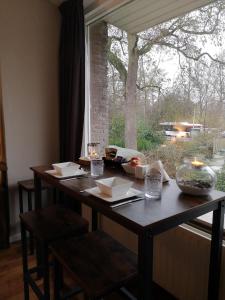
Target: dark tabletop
[174, 207]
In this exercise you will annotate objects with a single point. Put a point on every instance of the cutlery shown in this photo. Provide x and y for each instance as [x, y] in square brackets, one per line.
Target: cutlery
[126, 202]
[77, 177]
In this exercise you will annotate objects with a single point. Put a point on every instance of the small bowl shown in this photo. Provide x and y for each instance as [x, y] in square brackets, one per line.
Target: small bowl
[128, 168]
[114, 186]
[66, 168]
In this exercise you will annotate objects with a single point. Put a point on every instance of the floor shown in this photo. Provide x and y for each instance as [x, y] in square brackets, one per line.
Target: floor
[11, 283]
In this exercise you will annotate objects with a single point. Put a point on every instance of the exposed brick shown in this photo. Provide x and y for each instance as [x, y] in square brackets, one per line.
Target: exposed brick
[98, 77]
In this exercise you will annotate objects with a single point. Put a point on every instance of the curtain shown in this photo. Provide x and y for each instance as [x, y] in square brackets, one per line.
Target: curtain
[4, 199]
[72, 79]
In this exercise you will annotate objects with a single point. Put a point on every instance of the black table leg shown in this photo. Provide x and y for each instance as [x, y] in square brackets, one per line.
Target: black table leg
[145, 266]
[216, 252]
[94, 218]
[37, 192]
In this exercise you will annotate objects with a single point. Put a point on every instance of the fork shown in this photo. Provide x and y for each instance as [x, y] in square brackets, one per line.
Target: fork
[127, 202]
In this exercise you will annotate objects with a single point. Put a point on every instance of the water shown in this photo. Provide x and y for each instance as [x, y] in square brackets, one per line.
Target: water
[153, 186]
[97, 167]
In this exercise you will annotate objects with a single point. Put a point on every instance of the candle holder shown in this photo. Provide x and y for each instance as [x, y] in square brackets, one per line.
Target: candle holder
[195, 178]
[93, 150]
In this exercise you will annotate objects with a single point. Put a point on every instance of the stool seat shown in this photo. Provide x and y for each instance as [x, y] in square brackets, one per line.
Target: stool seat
[54, 222]
[98, 263]
[46, 225]
[28, 185]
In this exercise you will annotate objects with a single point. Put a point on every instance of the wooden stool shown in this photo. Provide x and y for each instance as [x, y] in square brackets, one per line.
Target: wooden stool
[98, 263]
[47, 225]
[28, 186]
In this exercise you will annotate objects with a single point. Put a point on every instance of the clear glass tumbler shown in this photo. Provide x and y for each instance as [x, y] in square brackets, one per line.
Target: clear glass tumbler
[153, 184]
[97, 167]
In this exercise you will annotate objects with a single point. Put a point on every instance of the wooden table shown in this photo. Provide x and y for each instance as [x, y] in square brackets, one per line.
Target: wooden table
[147, 218]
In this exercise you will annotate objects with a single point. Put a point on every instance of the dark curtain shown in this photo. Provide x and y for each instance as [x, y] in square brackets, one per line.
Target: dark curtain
[72, 79]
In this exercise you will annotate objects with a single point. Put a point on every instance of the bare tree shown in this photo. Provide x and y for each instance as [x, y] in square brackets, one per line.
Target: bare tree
[183, 35]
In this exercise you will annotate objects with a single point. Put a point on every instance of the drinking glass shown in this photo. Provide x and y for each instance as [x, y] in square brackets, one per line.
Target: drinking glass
[153, 184]
[97, 167]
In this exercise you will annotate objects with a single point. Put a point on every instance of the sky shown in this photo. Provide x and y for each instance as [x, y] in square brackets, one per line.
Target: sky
[170, 63]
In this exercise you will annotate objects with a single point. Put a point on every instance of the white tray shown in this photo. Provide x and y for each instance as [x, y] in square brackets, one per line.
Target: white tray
[56, 175]
[96, 192]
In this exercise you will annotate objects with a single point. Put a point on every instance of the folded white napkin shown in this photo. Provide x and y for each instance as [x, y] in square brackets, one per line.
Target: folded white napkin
[158, 165]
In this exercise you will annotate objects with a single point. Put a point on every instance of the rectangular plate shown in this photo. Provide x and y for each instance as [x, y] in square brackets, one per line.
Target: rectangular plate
[96, 192]
[56, 175]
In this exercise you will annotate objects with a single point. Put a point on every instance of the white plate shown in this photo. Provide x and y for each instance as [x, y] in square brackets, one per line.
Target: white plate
[96, 192]
[55, 174]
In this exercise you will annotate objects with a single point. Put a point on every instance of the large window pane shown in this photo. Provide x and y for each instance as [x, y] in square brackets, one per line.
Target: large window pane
[161, 91]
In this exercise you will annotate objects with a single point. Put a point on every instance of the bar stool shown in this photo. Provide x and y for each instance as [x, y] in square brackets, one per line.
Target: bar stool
[98, 263]
[28, 187]
[47, 225]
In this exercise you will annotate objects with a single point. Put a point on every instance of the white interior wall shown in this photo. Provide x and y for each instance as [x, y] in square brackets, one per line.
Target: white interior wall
[29, 39]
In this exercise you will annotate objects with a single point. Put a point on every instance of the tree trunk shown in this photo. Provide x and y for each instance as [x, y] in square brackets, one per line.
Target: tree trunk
[130, 108]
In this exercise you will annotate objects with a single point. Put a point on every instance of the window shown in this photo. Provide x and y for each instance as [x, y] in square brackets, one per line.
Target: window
[161, 90]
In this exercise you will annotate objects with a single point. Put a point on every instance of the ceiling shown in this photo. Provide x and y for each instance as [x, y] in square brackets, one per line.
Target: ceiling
[139, 15]
[136, 15]
[86, 2]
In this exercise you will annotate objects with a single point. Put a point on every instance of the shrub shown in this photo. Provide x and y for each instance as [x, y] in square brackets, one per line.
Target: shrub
[171, 156]
[116, 131]
[201, 145]
[220, 184]
[148, 139]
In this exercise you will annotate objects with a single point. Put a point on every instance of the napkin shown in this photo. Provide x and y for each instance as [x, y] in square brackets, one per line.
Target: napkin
[158, 165]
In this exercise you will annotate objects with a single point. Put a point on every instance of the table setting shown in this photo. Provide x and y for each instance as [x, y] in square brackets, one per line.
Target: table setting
[141, 198]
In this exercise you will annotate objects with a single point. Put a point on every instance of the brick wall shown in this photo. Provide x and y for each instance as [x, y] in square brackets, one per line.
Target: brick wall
[98, 78]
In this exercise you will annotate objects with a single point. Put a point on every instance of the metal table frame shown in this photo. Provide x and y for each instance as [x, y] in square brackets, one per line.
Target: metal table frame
[146, 236]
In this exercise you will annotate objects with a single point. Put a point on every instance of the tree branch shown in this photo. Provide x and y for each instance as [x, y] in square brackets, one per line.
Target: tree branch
[148, 86]
[117, 63]
[196, 58]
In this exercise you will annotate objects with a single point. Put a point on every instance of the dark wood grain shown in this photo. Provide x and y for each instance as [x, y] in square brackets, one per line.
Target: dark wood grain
[54, 222]
[97, 262]
[148, 218]
[155, 215]
[11, 283]
[28, 185]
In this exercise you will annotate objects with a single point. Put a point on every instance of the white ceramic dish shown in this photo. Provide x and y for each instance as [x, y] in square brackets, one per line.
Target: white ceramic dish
[113, 186]
[56, 175]
[128, 168]
[97, 193]
[66, 168]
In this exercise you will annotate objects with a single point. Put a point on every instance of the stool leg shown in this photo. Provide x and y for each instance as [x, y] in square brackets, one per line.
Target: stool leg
[57, 279]
[45, 271]
[39, 259]
[25, 262]
[31, 238]
[54, 194]
[21, 199]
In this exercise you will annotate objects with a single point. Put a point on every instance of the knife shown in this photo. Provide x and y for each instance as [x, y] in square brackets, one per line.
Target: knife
[127, 202]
